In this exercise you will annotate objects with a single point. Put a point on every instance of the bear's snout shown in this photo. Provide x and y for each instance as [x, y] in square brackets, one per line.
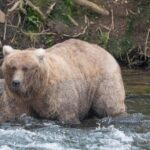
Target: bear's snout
[17, 79]
[15, 84]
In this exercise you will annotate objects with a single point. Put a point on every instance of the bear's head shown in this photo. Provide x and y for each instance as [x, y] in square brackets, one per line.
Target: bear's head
[23, 70]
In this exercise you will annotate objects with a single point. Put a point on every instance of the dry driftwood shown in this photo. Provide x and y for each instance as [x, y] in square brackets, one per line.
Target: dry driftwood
[19, 4]
[94, 7]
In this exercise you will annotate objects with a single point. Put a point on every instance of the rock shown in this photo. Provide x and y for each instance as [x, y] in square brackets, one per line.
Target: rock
[2, 17]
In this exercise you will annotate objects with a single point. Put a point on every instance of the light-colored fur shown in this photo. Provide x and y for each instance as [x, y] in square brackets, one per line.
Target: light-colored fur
[65, 83]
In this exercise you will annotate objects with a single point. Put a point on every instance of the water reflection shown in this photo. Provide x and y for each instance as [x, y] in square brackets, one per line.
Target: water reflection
[136, 81]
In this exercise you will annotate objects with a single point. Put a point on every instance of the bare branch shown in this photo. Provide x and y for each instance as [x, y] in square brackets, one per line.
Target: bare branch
[72, 20]
[50, 8]
[37, 34]
[14, 7]
[29, 3]
[146, 43]
[5, 30]
[78, 34]
[94, 7]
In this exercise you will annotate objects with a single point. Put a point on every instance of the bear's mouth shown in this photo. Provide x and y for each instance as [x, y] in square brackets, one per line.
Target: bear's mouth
[21, 92]
[17, 91]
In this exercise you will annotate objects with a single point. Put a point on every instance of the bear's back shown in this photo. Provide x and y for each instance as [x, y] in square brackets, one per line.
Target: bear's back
[88, 58]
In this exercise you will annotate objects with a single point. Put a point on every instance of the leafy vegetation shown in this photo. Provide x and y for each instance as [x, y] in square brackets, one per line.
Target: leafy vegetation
[69, 5]
[32, 21]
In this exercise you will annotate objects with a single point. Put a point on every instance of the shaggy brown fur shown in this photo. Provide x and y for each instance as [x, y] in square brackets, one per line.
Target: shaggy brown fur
[63, 83]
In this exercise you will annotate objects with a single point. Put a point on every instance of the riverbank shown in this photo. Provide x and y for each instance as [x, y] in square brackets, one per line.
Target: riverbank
[124, 32]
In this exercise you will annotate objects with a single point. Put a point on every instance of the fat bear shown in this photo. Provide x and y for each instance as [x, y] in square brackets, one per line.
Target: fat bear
[64, 83]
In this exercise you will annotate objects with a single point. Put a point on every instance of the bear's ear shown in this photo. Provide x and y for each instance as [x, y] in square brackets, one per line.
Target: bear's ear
[40, 53]
[7, 50]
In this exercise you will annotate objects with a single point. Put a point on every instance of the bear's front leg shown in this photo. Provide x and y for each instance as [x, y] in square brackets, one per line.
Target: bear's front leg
[64, 100]
[69, 117]
[68, 110]
[6, 113]
[10, 110]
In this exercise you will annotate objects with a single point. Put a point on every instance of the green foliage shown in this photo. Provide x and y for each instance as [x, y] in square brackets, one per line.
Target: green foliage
[59, 13]
[104, 38]
[64, 11]
[144, 8]
[119, 47]
[32, 21]
[114, 48]
[49, 41]
[130, 24]
[69, 4]
[126, 43]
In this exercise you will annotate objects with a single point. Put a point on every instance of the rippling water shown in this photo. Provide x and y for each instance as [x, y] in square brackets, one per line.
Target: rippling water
[132, 132]
[128, 133]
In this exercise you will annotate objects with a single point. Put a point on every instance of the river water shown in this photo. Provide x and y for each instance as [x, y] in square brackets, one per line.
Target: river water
[129, 133]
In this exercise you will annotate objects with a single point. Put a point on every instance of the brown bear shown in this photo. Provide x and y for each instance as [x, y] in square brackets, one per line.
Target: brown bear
[64, 83]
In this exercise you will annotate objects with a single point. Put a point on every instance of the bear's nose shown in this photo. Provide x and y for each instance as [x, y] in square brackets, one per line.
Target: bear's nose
[15, 83]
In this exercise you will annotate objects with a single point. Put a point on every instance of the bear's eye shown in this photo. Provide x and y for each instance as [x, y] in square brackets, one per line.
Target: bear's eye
[24, 68]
